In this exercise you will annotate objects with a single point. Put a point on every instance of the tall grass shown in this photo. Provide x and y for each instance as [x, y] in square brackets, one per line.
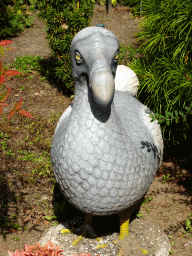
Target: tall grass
[165, 70]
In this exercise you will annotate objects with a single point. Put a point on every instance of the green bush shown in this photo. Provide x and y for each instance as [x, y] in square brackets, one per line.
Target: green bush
[165, 71]
[136, 6]
[13, 18]
[64, 19]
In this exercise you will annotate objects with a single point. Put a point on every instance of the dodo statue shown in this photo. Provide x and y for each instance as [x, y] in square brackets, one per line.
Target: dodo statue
[105, 151]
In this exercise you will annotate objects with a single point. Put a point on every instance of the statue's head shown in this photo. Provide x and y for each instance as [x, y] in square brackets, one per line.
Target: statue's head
[94, 56]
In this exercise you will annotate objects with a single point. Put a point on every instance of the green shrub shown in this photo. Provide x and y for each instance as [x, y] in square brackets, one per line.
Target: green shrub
[165, 71]
[13, 18]
[136, 6]
[64, 19]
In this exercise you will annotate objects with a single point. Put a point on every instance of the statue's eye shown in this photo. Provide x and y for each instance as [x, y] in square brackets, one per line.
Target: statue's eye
[116, 56]
[77, 57]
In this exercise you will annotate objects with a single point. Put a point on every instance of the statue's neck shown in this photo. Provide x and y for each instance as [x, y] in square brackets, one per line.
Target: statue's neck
[84, 103]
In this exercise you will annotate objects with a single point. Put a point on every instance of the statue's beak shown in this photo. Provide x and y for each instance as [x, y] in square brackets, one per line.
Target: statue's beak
[102, 85]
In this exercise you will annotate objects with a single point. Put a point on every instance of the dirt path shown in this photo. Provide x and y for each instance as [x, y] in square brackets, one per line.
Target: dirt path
[30, 42]
[171, 199]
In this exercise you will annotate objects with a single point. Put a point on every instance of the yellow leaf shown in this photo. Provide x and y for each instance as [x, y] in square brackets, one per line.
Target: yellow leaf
[114, 2]
[145, 252]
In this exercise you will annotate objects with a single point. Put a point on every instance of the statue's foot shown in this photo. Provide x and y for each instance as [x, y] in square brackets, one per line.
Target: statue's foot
[124, 232]
[85, 231]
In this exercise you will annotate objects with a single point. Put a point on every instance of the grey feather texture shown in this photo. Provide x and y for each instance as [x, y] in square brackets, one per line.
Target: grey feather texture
[105, 151]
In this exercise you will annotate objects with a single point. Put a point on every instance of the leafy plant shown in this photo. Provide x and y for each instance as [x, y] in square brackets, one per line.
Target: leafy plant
[4, 73]
[145, 201]
[27, 63]
[9, 153]
[5, 95]
[42, 162]
[49, 249]
[5, 137]
[167, 118]
[13, 18]
[172, 243]
[64, 20]
[189, 224]
[164, 70]
[5, 222]
[15, 238]
[136, 6]
[166, 178]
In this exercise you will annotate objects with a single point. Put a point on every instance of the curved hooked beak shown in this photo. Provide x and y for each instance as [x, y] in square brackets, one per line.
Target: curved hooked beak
[102, 85]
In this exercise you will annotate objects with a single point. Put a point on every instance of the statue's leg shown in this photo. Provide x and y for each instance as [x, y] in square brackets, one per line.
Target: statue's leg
[124, 227]
[124, 218]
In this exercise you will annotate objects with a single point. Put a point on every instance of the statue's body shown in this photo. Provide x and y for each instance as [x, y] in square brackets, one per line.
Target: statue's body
[105, 150]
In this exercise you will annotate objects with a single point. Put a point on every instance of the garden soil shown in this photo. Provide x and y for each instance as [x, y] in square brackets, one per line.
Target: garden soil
[160, 225]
